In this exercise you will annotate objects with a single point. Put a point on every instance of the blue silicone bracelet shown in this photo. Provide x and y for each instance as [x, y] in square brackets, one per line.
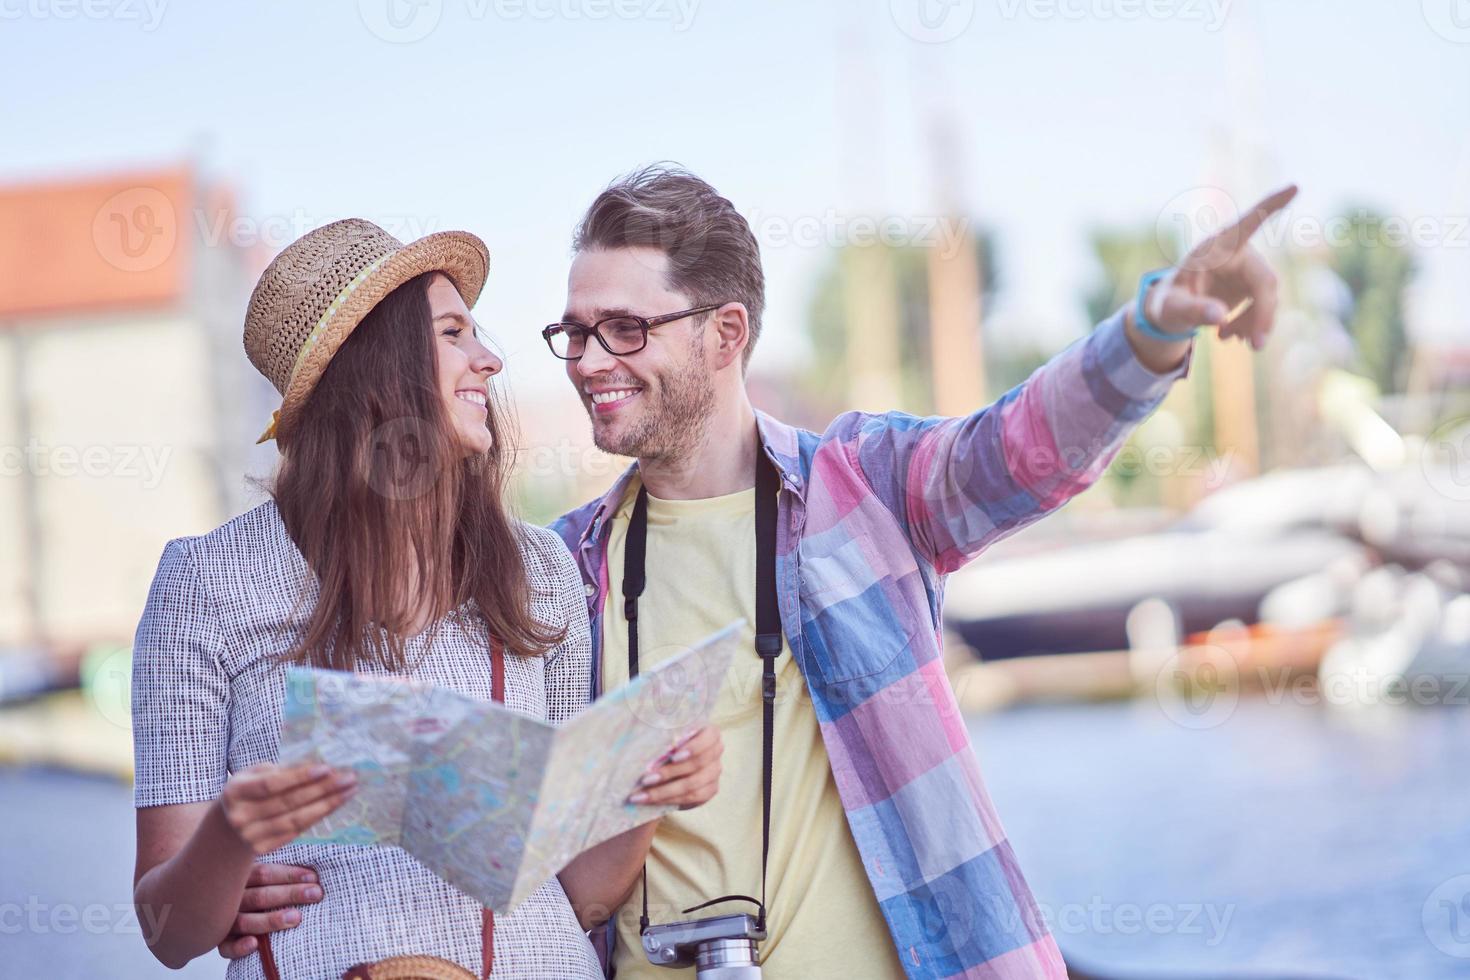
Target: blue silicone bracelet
[1140, 319]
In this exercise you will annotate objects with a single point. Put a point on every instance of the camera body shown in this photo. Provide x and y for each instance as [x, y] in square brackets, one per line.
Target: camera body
[721, 947]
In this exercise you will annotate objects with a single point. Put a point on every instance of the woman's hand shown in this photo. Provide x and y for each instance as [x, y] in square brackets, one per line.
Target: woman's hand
[268, 806]
[601, 878]
[197, 860]
[688, 776]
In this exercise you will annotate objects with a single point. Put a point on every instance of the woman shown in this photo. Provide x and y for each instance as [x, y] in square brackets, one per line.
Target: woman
[385, 550]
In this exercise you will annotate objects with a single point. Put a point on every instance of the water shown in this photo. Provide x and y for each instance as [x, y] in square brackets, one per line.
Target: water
[1316, 839]
[1288, 840]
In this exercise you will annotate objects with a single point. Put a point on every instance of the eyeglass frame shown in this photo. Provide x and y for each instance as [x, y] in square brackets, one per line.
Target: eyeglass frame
[647, 323]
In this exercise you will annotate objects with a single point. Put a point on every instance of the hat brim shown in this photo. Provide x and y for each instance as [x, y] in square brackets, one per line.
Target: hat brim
[460, 255]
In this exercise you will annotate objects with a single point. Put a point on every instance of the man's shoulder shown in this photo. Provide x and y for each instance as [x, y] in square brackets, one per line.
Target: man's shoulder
[572, 525]
[853, 429]
[794, 446]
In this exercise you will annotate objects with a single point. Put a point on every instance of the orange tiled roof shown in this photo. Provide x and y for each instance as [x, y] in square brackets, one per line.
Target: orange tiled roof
[118, 240]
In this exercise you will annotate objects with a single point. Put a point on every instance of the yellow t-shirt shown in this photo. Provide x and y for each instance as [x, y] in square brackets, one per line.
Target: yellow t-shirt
[824, 920]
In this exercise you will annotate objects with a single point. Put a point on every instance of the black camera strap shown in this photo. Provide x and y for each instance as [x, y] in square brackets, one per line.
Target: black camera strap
[767, 642]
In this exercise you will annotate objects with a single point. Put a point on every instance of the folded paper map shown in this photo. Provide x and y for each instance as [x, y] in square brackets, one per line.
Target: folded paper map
[493, 801]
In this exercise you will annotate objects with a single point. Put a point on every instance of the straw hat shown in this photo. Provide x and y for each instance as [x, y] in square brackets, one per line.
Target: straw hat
[312, 296]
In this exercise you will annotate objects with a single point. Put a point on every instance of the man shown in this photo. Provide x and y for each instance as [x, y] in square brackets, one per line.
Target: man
[918, 879]
[885, 855]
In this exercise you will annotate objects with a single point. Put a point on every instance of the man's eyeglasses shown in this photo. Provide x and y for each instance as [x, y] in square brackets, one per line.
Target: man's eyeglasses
[618, 335]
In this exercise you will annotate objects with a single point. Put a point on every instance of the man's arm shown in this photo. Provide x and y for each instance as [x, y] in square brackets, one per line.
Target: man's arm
[268, 905]
[957, 485]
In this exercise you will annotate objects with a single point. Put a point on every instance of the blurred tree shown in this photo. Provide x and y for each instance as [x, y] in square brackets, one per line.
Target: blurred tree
[1377, 270]
[827, 322]
[1124, 256]
[1011, 362]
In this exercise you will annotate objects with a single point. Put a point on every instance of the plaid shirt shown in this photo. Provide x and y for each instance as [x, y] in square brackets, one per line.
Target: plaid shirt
[875, 512]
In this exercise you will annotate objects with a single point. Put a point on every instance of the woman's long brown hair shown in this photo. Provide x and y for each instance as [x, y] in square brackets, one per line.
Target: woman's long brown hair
[374, 491]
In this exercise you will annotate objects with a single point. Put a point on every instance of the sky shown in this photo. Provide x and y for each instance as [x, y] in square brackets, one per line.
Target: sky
[505, 117]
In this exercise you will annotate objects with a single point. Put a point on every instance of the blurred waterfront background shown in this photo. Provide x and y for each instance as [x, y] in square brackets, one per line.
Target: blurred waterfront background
[1220, 699]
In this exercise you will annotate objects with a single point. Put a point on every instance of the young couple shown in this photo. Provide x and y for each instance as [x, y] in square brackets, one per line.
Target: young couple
[885, 855]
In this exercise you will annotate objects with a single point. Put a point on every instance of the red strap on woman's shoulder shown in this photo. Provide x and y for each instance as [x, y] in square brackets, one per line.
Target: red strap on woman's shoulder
[497, 671]
[487, 918]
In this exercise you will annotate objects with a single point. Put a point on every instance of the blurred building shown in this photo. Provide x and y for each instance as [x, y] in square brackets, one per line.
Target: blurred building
[127, 408]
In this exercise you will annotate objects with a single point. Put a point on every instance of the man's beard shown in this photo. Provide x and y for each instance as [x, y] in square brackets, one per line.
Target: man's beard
[674, 425]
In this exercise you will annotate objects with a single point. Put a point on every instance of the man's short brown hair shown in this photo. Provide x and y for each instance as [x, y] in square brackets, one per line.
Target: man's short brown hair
[713, 255]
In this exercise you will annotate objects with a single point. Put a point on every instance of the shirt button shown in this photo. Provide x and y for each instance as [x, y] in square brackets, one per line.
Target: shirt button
[590, 589]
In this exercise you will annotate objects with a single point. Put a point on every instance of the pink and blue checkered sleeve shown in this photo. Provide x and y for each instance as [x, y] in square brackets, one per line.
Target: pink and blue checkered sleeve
[960, 484]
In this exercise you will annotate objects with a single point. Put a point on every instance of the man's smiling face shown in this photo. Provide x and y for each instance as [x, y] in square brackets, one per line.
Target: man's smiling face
[656, 403]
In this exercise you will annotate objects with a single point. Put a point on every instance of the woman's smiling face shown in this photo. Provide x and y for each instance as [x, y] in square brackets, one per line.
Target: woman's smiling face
[464, 365]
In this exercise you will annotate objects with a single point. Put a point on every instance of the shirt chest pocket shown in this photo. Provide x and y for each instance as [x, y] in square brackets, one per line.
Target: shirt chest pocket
[862, 605]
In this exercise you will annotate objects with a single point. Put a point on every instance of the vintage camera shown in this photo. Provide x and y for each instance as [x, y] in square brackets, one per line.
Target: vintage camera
[722, 947]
